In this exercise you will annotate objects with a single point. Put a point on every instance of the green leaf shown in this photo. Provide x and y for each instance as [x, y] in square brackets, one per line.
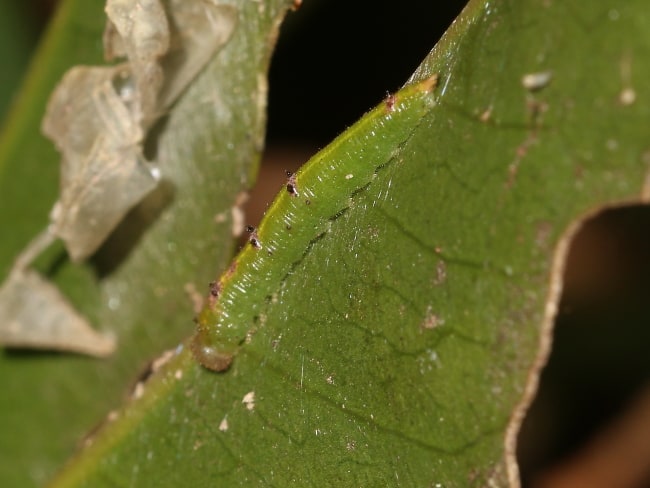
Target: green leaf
[17, 39]
[405, 343]
[208, 148]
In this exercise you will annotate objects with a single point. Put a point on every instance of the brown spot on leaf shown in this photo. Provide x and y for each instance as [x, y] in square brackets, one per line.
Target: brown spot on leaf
[431, 320]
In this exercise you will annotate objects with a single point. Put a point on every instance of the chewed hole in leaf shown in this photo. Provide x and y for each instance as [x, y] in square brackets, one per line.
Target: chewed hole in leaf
[589, 411]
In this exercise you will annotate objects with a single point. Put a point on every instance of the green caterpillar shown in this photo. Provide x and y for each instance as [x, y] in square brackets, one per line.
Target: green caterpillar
[317, 192]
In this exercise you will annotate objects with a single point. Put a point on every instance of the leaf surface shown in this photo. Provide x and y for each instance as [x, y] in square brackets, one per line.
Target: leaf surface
[405, 342]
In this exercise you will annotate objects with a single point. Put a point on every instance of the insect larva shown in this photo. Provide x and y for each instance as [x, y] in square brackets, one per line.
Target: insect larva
[294, 220]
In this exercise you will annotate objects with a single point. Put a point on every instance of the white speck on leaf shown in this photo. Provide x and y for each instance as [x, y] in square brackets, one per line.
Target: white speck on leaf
[249, 400]
[627, 96]
[536, 81]
[238, 215]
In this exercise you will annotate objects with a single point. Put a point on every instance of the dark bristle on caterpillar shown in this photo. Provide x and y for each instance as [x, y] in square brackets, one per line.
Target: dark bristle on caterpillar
[215, 288]
[292, 188]
[390, 102]
[253, 239]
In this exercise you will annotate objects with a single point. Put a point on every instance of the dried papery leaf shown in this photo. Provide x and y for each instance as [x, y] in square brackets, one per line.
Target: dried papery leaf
[84, 105]
[98, 118]
[143, 36]
[199, 28]
[36, 315]
[114, 181]
[140, 32]
[113, 43]
[103, 173]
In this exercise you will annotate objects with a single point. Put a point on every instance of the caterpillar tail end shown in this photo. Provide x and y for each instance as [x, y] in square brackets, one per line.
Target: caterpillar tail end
[209, 356]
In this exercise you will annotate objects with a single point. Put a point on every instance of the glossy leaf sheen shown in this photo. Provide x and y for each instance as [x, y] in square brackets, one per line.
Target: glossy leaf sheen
[397, 350]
